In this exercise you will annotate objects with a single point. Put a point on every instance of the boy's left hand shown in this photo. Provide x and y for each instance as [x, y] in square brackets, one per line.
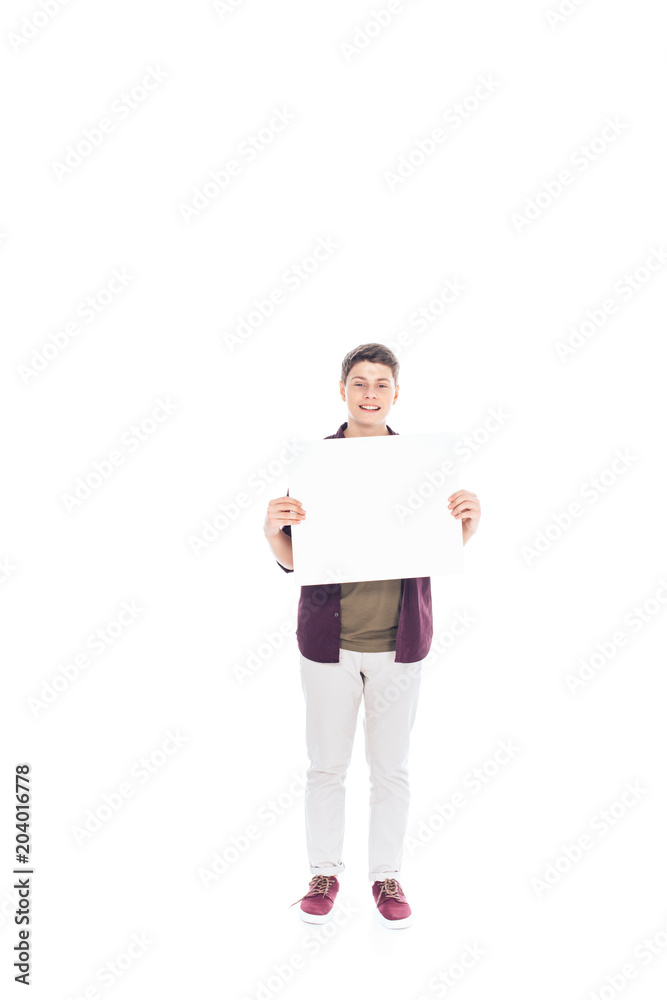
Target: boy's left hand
[464, 506]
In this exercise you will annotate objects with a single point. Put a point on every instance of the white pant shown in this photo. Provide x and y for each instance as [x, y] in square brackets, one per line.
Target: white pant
[333, 693]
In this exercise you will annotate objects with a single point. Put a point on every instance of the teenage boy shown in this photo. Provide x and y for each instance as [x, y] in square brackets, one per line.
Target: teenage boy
[355, 639]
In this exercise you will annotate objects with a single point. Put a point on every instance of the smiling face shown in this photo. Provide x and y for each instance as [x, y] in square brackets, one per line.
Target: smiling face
[370, 393]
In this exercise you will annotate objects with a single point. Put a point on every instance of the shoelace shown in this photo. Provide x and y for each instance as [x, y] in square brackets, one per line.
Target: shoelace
[320, 883]
[391, 888]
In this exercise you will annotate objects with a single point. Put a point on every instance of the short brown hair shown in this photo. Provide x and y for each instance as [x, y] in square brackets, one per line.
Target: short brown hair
[370, 352]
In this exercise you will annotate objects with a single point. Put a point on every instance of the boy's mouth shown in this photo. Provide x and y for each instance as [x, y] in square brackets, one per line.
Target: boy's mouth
[369, 408]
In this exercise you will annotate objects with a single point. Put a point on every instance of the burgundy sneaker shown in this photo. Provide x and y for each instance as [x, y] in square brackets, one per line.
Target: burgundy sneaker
[393, 908]
[317, 904]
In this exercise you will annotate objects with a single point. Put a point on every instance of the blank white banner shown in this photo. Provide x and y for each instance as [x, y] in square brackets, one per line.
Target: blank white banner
[376, 508]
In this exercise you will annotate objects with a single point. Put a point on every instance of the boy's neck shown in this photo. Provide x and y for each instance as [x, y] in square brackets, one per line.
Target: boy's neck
[354, 429]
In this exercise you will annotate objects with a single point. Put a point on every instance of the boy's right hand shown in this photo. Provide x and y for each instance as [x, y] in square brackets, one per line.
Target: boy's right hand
[281, 511]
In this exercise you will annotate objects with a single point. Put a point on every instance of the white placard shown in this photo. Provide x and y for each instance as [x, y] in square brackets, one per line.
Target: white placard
[376, 508]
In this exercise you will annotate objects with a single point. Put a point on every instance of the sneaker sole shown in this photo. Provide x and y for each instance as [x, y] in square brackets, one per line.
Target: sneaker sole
[316, 918]
[396, 925]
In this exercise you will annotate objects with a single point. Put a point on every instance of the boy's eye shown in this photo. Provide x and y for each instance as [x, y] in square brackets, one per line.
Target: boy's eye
[359, 383]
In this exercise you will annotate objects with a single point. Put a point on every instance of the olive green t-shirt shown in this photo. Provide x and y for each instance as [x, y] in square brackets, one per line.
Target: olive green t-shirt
[369, 613]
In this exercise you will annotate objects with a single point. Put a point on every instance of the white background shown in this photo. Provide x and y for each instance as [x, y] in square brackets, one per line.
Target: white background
[206, 610]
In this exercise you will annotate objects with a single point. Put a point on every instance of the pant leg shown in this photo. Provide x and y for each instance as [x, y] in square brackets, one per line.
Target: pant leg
[391, 694]
[333, 695]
